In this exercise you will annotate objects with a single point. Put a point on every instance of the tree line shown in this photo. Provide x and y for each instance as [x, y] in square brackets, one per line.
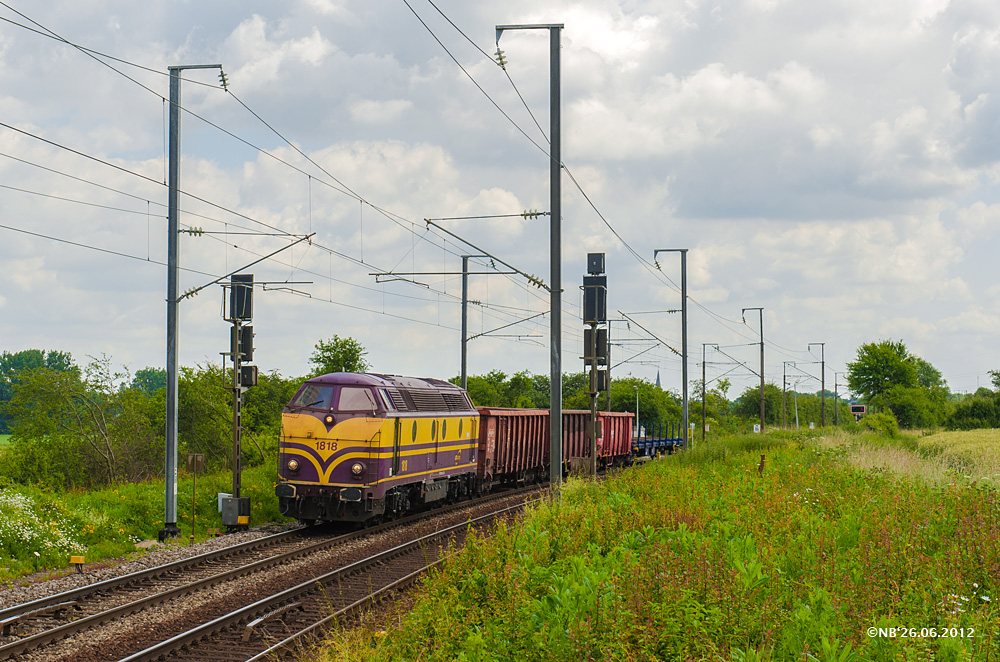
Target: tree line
[90, 425]
[94, 424]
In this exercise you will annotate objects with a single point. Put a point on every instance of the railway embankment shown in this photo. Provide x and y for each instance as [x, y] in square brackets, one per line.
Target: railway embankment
[813, 545]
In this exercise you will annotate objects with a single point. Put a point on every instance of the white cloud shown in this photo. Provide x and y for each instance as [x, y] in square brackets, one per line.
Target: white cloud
[972, 321]
[836, 163]
[265, 51]
[369, 111]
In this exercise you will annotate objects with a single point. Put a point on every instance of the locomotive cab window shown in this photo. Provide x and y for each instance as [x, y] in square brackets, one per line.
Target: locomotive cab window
[314, 395]
[353, 398]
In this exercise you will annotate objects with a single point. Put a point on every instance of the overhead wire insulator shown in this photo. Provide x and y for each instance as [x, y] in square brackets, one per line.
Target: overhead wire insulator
[223, 80]
[194, 232]
[500, 59]
[530, 213]
[190, 293]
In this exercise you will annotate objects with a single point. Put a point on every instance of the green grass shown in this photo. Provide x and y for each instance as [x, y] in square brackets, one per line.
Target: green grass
[40, 529]
[4, 439]
[701, 557]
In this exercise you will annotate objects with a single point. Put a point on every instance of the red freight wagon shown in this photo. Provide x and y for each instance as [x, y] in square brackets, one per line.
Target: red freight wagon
[615, 445]
[514, 443]
[576, 438]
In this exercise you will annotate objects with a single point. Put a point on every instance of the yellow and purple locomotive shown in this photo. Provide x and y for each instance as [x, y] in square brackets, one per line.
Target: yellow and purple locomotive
[360, 447]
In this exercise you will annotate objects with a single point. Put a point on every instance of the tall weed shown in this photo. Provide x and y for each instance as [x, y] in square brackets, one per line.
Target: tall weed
[704, 557]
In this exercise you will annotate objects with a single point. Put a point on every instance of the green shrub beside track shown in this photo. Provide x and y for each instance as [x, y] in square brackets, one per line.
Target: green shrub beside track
[108, 523]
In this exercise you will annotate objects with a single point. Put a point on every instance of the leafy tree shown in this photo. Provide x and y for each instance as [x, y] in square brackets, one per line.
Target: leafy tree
[657, 408]
[716, 405]
[881, 366]
[149, 380]
[85, 429]
[338, 355]
[261, 416]
[995, 378]
[14, 363]
[747, 406]
[927, 375]
[482, 391]
[891, 378]
[912, 406]
[205, 413]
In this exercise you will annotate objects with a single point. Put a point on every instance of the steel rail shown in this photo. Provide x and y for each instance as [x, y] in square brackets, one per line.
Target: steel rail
[149, 573]
[74, 595]
[375, 597]
[56, 633]
[289, 595]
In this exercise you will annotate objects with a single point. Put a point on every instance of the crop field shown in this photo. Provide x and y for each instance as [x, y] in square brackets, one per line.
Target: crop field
[969, 457]
[703, 556]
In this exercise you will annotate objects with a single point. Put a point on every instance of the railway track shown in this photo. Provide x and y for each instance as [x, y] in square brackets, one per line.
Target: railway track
[29, 625]
[111, 619]
[284, 622]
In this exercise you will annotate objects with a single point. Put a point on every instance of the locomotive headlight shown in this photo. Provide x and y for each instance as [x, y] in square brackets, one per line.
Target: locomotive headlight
[293, 465]
[329, 419]
[357, 468]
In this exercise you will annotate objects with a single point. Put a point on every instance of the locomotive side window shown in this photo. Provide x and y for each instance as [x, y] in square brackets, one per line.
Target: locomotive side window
[386, 400]
[314, 395]
[414, 430]
[353, 398]
[444, 430]
[434, 430]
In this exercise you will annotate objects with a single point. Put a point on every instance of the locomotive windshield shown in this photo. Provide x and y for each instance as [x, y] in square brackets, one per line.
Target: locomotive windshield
[356, 399]
[313, 395]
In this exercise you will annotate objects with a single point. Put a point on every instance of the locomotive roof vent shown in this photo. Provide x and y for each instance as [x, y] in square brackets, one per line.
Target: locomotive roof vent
[428, 400]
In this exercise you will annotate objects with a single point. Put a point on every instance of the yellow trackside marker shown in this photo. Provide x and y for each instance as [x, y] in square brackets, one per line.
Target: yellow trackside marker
[78, 562]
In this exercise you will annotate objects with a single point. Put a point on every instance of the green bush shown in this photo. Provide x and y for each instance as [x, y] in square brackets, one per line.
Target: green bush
[976, 412]
[881, 423]
[108, 523]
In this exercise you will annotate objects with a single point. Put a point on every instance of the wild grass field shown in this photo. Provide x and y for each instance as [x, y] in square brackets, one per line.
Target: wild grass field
[968, 456]
[700, 556]
[40, 529]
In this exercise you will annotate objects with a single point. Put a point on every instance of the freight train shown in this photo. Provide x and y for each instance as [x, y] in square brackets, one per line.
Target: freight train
[361, 447]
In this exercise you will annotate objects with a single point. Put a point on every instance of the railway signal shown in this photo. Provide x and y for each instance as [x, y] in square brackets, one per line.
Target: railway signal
[595, 341]
[235, 508]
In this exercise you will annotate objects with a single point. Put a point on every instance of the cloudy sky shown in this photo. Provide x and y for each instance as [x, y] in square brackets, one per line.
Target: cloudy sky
[834, 163]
